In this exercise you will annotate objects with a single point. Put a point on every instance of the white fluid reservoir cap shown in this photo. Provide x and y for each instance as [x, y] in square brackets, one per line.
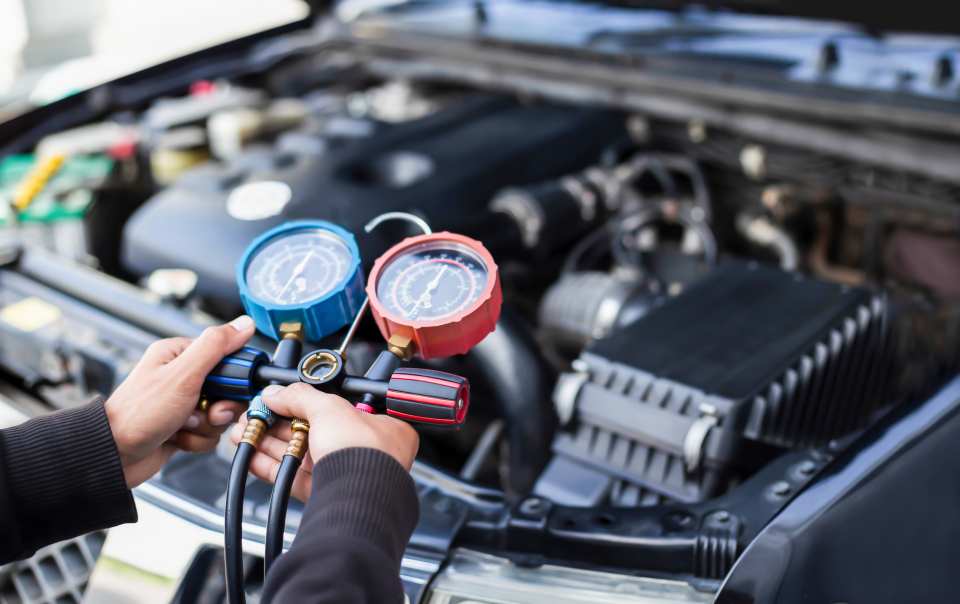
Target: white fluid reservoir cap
[258, 200]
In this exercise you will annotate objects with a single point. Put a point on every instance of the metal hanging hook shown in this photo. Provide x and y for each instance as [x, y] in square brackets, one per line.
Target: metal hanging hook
[420, 223]
[368, 228]
[353, 327]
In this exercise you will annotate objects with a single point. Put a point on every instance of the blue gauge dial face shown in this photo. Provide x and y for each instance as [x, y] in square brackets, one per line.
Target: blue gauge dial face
[298, 268]
[432, 281]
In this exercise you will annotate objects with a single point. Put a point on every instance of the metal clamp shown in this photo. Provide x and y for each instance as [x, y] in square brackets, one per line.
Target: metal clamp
[697, 435]
[567, 391]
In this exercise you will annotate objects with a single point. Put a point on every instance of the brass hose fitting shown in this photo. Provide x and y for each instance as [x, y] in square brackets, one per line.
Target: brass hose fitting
[254, 432]
[291, 330]
[298, 444]
[401, 346]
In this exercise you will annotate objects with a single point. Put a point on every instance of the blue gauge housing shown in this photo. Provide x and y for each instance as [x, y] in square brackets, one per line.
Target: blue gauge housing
[321, 315]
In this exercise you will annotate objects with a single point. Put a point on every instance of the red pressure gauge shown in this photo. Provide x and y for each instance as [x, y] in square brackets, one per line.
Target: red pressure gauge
[435, 295]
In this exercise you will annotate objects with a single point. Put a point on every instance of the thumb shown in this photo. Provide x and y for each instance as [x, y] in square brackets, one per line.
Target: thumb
[203, 354]
[303, 401]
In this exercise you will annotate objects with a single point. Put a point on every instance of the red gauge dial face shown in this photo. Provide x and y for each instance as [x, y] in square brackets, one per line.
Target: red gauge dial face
[432, 281]
[438, 294]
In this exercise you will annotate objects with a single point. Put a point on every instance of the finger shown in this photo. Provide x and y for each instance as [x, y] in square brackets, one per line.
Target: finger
[223, 413]
[163, 351]
[266, 468]
[194, 443]
[272, 446]
[236, 432]
[302, 485]
[277, 448]
[202, 423]
[302, 400]
[281, 431]
[203, 354]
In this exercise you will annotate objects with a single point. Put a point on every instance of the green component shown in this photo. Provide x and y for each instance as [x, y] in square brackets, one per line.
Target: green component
[66, 196]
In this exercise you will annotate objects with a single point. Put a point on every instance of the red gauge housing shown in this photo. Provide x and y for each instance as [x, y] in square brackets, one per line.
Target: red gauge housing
[440, 334]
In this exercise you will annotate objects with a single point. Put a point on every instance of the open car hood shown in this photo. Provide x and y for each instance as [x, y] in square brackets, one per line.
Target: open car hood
[925, 16]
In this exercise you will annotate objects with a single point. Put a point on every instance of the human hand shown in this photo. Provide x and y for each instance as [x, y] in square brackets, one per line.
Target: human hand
[334, 424]
[152, 413]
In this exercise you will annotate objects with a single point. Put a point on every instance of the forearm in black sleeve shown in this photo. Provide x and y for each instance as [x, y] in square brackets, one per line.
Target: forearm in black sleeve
[60, 477]
[354, 530]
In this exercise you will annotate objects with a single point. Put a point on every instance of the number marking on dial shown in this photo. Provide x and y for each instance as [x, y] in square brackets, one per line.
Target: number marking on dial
[298, 268]
[433, 282]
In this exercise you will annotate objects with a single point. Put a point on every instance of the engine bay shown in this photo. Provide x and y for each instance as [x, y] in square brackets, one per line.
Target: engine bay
[694, 322]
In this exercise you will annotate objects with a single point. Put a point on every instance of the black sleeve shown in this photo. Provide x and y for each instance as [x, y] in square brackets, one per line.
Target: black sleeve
[355, 527]
[60, 477]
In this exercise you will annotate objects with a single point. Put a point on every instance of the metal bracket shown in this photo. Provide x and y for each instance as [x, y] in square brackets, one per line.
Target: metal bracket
[697, 436]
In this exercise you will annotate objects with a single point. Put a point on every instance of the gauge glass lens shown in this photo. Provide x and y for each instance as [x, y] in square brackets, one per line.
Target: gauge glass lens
[432, 281]
[299, 267]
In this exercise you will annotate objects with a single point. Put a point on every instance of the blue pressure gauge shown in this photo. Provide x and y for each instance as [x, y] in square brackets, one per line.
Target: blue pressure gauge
[305, 271]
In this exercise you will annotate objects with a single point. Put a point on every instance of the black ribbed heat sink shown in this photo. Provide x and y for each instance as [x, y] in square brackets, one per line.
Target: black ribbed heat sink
[775, 357]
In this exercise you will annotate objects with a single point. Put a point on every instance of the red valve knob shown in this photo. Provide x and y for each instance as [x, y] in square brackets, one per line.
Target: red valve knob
[429, 397]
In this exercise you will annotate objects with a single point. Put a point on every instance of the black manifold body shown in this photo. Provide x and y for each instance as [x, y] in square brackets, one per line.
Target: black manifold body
[665, 406]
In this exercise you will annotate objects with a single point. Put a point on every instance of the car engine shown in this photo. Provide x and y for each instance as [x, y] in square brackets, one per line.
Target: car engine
[694, 323]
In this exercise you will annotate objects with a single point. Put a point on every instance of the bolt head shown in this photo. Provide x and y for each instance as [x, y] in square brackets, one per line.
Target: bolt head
[781, 488]
[721, 516]
[531, 506]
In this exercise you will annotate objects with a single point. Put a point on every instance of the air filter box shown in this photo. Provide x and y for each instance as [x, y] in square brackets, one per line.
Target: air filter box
[747, 353]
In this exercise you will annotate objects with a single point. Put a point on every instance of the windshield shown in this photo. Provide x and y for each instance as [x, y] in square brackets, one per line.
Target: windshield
[785, 48]
[52, 48]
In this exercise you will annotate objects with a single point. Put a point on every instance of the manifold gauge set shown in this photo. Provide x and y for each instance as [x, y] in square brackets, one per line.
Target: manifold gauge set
[431, 296]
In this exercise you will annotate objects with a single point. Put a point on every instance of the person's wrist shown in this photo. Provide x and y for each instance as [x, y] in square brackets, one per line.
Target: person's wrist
[115, 417]
[385, 434]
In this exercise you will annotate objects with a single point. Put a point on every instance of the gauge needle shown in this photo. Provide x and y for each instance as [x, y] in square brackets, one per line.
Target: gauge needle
[427, 295]
[297, 271]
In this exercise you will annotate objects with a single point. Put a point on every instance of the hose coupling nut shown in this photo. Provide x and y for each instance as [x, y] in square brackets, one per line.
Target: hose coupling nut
[259, 420]
[259, 410]
[298, 444]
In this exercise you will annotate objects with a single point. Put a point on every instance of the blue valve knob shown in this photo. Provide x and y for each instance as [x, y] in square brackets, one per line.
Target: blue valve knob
[233, 378]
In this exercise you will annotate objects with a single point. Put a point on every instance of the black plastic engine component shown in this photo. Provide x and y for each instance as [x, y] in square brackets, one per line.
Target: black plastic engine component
[865, 531]
[583, 306]
[749, 352]
[56, 573]
[552, 215]
[446, 166]
[509, 363]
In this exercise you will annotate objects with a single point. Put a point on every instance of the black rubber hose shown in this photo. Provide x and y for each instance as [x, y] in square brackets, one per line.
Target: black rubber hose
[287, 355]
[233, 523]
[277, 516]
[511, 365]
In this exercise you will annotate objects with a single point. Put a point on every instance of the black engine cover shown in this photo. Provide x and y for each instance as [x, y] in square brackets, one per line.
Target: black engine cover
[445, 167]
